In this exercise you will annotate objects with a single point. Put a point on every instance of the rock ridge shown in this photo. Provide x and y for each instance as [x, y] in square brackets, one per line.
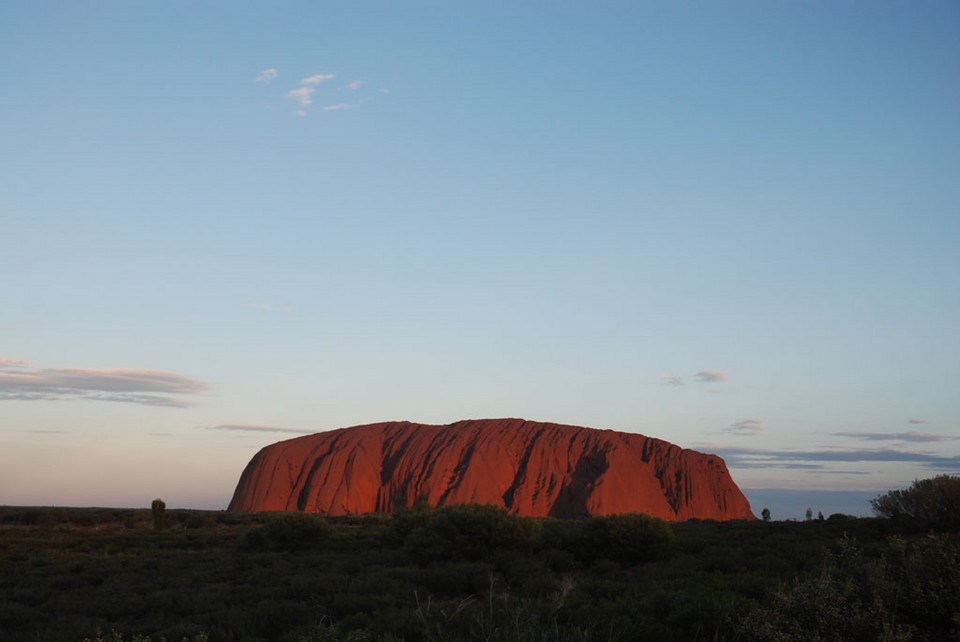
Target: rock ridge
[530, 468]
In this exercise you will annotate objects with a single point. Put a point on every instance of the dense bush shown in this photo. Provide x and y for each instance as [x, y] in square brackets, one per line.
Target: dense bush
[462, 573]
[469, 532]
[928, 504]
[404, 520]
[911, 592]
[628, 538]
[288, 532]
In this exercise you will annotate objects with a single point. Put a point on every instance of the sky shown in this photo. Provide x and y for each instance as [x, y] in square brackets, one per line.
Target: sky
[734, 226]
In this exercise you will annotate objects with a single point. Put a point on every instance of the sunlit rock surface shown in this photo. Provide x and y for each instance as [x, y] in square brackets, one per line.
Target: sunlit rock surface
[530, 468]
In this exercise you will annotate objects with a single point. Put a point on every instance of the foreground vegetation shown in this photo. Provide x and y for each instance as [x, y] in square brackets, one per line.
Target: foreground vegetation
[469, 573]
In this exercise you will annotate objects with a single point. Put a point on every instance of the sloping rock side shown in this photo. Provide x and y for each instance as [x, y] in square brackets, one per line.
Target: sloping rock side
[530, 468]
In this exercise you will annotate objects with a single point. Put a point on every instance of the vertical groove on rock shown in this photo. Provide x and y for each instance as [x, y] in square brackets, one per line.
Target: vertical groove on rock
[532, 441]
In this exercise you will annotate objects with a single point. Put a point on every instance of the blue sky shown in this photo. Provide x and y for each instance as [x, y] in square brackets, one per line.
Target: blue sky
[732, 227]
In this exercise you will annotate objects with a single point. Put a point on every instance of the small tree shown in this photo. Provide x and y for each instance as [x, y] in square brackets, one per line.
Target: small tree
[928, 503]
[765, 514]
[809, 514]
[157, 509]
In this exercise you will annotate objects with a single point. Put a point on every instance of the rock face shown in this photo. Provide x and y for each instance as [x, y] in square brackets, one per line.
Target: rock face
[530, 468]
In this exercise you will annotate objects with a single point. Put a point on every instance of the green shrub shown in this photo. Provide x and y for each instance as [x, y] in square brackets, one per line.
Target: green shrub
[910, 592]
[928, 504]
[288, 532]
[200, 521]
[470, 532]
[404, 520]
[628, 538]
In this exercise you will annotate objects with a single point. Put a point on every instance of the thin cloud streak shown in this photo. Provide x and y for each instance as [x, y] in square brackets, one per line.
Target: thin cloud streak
[670, 380]
[145, 400]
[895, 436]
[338, 107]
[127, 385]
[64, 394]
[709, 376]
[751, 457]
[102, 379]
[748, 426]
[786, 466]
[256, 428]
[317, 79]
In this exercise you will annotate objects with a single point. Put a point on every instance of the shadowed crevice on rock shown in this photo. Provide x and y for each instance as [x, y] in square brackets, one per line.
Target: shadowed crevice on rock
[521, 474]
[573, 496]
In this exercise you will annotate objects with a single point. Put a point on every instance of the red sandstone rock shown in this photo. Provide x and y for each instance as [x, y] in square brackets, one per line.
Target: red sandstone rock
[530, 468]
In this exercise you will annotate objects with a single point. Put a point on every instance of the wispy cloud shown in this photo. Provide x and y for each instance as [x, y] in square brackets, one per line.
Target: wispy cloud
[256, 428]
[670, 380]
[145, 387]
[819, 469]
[304, 95]
[339, 106]
[50, 432]
[301, 95]
[266, 76]
[918, 421]
[708, 376]
[896, 436]
[788, 466]
[757, 458]
[313, 81]
[10, 362]
[748, 426]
